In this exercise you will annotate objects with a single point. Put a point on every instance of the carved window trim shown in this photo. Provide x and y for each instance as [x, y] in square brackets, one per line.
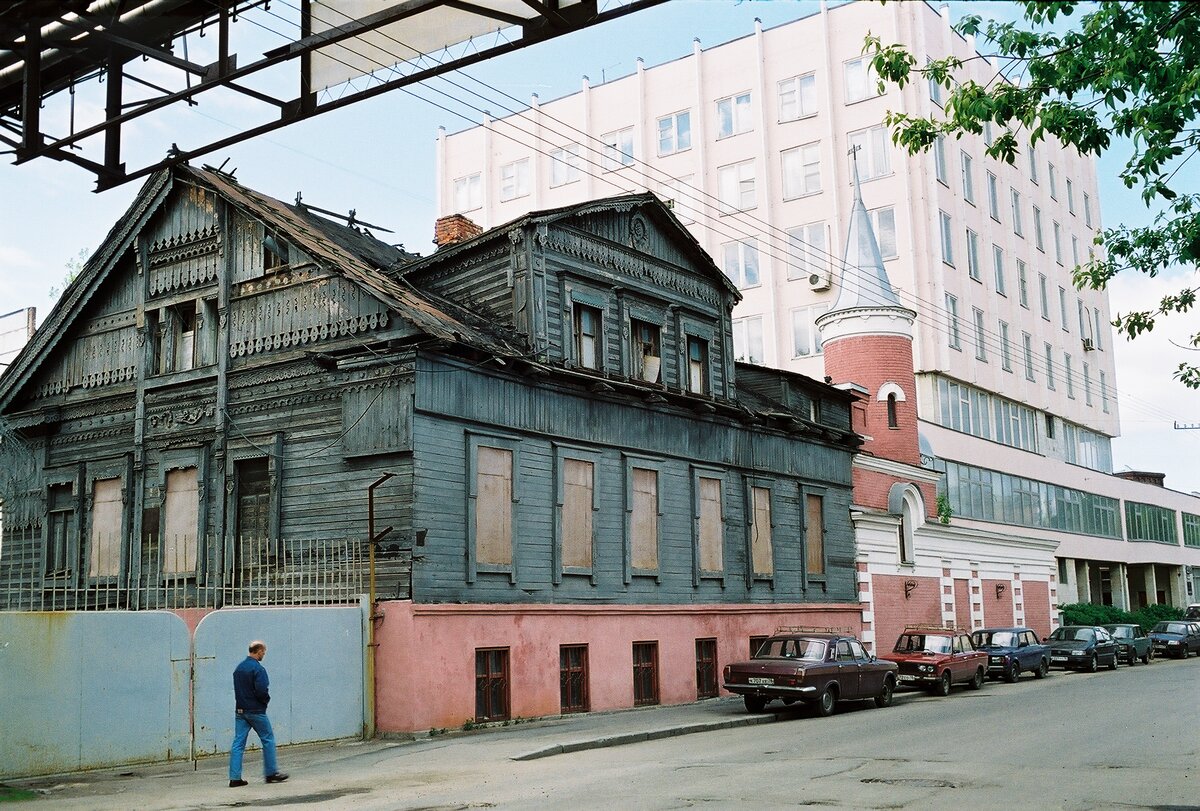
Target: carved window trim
[72, 542]
[122, 470]
[169, 461]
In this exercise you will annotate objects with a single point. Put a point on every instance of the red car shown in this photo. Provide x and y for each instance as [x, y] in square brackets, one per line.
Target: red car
[819, 668]
[935, 658]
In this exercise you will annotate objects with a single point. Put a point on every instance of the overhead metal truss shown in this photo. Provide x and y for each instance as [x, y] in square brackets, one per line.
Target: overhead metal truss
[52, 47]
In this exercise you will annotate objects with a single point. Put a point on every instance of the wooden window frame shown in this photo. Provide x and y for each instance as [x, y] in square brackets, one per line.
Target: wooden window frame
[756, 641]
[698, 573]
[486, 680]
[121, 470]
[708, 684]
[197, 457]
[658, 466]
[73, 534]
[650, 669]
[510, 443]
[635, 347]
[568, 673]
[752, 483]
[563, 453]
[810, 577]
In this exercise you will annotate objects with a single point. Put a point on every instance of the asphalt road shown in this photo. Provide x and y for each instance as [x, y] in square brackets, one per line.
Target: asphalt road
[1124, 739]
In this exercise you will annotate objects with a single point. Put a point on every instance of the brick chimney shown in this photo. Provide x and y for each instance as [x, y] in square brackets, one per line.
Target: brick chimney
[453, 229]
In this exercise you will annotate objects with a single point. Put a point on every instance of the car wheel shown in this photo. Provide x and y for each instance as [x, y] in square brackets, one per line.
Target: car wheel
[1093, 664]
[977, 682]
[1113, 664]
[1131, 660]
[942, 688]
[884, 699]
[755, 703]
[1013, 673]
[1186, 653]
[827, 703]
[1042, 669]
[1149, 655]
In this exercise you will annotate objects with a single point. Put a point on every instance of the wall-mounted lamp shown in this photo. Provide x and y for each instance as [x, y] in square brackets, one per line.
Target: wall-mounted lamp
[1000, 588]
[909, 587]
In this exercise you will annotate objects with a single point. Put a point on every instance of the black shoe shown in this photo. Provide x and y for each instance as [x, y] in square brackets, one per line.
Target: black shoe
[278, 777]
[237, 783]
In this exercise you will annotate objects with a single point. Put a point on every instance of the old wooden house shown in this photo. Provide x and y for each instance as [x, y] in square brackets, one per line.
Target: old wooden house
[542, 425]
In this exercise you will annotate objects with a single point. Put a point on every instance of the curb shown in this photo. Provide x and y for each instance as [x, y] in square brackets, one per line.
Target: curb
[640, 737]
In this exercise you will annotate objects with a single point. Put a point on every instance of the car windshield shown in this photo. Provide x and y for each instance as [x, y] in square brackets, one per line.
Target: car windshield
[1120, 631]
[1001, 639]
[1080, 634]
[920, 643]
[811, 650]
[1171, 628]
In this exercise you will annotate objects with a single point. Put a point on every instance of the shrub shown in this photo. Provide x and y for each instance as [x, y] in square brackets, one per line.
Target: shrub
[1094, 614]
[1151, 615]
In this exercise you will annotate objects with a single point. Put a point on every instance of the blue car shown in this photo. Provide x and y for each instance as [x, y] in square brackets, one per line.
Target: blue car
[1178, 638]
[1011, 652]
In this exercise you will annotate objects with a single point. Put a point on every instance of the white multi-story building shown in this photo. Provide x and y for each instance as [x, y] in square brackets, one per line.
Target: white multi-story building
[751, 140]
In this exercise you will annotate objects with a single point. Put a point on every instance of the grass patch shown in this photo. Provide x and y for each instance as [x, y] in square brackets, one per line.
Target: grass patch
[9, 794]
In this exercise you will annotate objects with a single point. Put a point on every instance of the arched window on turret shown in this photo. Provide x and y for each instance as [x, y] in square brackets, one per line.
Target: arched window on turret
[908, 506]
[892, 395]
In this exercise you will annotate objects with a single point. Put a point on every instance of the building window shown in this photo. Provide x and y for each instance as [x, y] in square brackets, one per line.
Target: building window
[1085, 322]
[253, 499]
[993, 193]
[675, 133]
[710, 525]
[1027, 354]
[861, 81]
[1044, 296]
[1103, 393]
[588, 343]
[797, 97]
[1022, 284]
[1087, 384]
[998, 267]
[104, 556]
[1074, 251]
[1005, 348]
[643, 519]
[893, 419]
[1049, 358]
[645, 673]
[514, 180]
[733, 115]
[493, 506]
[181, 510]
[564, 165]
[1191, 530]
[952, 312]
[1033, 172]
[806, 338]
[1038, 238]
[947, 238]
[468, 193]
[968, 178]
[869, 151]
[1096, 335]
[573, 678]
[1087, 209]
[679, 195]
[1049, 426]
[1149, 522]
[697, 378]
[939, 160]
[60, 529]
[935, 89]
[761, 550]
[740, 261]
[618, 149]
[706, 668]
[1018, 229]
[814, 534]
[1062, 309]
[756, 642]
[185, 336]
[973, 256]
[578, 505]
[884, 221]
[1058, 253]
[736, 188]
[801, 171]
[748, 339]
[980, 335]
[1069, 374]
[1070, 196]
[646, 352]
[987, 133]
[491, 684]
[807, 251]
[1052, 173]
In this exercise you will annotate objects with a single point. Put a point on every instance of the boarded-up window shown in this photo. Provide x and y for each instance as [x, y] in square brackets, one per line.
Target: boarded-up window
[710, 525]
[760, 531]
[376, 420]
[104, 559]
[643, 523]
[815, 533]
[180, 523]
[493, 506]
[577, 514]
[253, 499]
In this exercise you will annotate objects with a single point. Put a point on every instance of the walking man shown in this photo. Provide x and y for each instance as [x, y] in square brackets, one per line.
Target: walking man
[250, 688]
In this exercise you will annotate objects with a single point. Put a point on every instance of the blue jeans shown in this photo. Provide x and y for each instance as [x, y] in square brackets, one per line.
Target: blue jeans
[242, 724]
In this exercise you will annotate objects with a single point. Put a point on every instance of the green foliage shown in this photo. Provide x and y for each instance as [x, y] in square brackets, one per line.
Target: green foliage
[944, 511]
[12, 794]
[74, 267]
[1093, 614]
[1130, 70]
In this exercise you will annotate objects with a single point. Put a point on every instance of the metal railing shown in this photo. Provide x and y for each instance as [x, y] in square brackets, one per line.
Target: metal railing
[181, 572]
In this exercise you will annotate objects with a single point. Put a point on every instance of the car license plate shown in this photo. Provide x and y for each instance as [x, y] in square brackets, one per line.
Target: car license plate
[908, 678]
[760, 680]
[1058, 658]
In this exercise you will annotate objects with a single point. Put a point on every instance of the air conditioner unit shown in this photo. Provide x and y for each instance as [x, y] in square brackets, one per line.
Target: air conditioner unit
[1088, 344]
[820, 281]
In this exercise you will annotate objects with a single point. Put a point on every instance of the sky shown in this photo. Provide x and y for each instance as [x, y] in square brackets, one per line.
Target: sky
[377, 157]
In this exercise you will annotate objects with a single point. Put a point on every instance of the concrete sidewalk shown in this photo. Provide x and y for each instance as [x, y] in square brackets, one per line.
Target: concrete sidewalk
[344, 767]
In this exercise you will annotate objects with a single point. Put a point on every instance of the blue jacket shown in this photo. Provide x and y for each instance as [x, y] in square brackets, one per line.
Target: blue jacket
[250, 685]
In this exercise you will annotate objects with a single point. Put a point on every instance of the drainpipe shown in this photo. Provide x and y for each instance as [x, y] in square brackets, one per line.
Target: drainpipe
[373, 540]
